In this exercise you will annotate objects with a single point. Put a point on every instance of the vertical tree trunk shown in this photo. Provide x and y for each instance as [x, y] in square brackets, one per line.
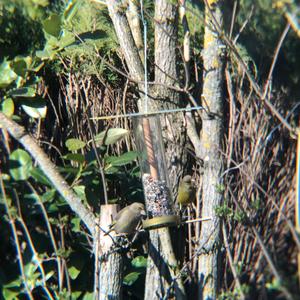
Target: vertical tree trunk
[110, 276]
[162, 265]
[211, 145]
[165, 19]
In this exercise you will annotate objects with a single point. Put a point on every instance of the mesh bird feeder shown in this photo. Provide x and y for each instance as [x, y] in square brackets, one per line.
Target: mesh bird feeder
[158, 199]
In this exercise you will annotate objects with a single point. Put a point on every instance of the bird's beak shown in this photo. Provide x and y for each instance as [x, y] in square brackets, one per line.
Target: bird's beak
[143, 213]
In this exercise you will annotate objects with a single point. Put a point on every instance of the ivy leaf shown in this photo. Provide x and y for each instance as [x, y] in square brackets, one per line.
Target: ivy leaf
[74, 144]
[20, 164]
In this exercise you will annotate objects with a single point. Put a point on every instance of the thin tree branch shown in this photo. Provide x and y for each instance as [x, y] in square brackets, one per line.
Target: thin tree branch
[253, 82]
[19, 133]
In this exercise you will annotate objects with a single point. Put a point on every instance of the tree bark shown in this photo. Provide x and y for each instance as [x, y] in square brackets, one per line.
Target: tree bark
[166, 21]
[110, 275]
[162, 266]
[211, 145]
[133, 16]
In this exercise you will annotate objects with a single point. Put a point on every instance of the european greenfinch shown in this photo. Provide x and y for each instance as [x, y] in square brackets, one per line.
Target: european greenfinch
[128, 218]
[186, 191]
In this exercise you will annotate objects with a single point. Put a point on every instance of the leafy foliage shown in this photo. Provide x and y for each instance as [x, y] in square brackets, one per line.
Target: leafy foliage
[53, 76]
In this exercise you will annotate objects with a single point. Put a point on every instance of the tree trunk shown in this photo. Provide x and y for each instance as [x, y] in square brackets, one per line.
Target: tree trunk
[162, 265]
[110, 273]
[166, 20]
[211, 146]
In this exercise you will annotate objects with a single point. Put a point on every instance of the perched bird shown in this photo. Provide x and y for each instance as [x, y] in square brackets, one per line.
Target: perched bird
[128, 218]
[186, 191]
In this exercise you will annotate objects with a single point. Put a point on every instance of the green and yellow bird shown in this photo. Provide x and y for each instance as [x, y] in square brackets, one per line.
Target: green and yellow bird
[127, 219]
[186, 191]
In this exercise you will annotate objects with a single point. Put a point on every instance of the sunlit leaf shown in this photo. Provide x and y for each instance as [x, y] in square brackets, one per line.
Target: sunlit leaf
[74, 144]
[73, 272]
[7, 75]
[131, 278]
[48, 196]
[76, 262]
[112, 136]
[80, 191]
[76, 224]
[47, 53]
[10, 294]
[20, 164]
[7, 107]
[139, 262]
[88, 296]
[35, 108]
[52, 25]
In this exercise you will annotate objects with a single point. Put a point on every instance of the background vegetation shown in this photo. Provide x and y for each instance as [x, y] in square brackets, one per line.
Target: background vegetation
[61, 66]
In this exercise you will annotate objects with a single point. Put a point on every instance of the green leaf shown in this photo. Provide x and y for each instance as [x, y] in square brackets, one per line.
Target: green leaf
[7, 107]
[20, 65]
[131, 278]
[66, 39]
[88, 296]
[20, 164]
[47, 53]
[76, 224]
[80, 191]
[122, 160]
[7, 75]
[139, 262]
[35, 108]
[10, 294]
[28, 92]
[48, 196]
[13, 284]
[73, 272]
[52, 25]
[111, 170]
[74, 144]
[77, 263]
[40, 176]
[75, 157]
[112, 136]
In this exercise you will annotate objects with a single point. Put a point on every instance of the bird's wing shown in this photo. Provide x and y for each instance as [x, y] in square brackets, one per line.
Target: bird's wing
[120, 213]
